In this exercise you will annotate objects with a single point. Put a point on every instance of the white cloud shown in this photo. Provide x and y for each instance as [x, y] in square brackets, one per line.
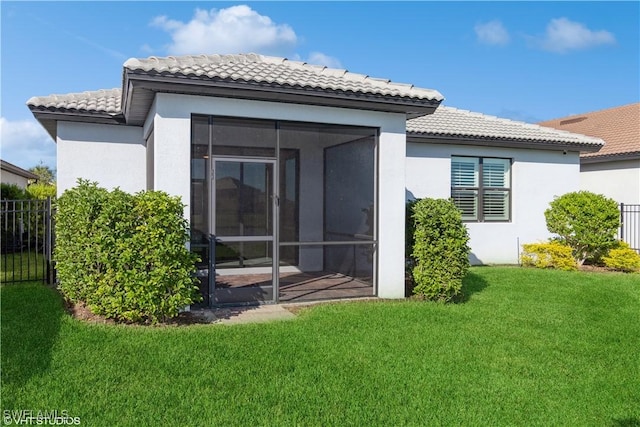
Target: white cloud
[319, 58]
[563, 35]
[237, 29]
[25, 143]
[492, 32]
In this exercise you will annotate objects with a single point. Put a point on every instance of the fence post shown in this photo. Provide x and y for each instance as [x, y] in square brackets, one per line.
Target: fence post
[50, 274]
[621, 221]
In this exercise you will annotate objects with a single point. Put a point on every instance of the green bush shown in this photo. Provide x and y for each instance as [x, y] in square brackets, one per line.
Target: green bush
[12, 192]
[124, 255]
[622, 258]
[77, 249]
[439, 257]
[41, 190]
[586, 222]
[548, 255]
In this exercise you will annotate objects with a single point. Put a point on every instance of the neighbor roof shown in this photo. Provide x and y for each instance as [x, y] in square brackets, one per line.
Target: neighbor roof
[462, 126]
[619, 127]
[10, 167]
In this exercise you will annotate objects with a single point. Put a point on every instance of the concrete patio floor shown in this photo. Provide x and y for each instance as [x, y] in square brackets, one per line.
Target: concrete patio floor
[261, 313]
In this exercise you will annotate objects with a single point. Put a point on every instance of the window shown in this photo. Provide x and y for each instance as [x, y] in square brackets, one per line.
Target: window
[481, 188]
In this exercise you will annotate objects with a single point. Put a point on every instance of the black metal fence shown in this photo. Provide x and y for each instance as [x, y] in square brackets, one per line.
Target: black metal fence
[27, 240]
[630, 225]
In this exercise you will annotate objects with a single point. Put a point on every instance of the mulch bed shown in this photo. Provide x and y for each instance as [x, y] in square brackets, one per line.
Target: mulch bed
[81, 312]
[595, 268]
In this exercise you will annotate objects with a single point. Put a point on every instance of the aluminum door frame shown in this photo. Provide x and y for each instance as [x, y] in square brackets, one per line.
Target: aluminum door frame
[274, 238]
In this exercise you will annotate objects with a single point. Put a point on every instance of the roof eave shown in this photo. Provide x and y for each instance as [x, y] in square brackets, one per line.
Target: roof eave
[601, 158]
[9, 167]
[500, 142]
[49, 117]
[133, 82]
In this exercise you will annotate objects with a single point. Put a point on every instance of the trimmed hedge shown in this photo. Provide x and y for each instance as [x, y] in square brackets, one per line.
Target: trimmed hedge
[124, 255]
[438, 248]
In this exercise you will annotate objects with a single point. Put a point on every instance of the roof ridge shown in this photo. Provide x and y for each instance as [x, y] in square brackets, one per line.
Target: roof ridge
[196, 65]
[215, 58]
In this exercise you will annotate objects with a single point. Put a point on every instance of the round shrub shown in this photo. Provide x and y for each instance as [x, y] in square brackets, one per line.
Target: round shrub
[124, 255]
[586, 222]
[440, 253]
[40, 190]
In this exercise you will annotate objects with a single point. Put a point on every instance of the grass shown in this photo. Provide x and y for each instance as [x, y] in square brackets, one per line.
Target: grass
[527, 347]
[23, 266]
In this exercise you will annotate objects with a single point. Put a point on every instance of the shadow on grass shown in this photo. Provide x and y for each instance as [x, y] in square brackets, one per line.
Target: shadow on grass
[471, 284]
[30, 324]
[627, 422]
[22, 267]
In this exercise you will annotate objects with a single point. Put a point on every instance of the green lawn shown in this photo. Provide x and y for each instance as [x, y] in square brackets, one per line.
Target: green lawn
[527, 347]
[22, 266]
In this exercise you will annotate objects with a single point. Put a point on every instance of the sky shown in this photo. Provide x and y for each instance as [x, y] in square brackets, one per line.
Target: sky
[529, 61]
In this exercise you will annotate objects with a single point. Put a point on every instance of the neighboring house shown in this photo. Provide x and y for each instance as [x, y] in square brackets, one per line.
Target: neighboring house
[295, 176]
[12, 174]
[614, 170]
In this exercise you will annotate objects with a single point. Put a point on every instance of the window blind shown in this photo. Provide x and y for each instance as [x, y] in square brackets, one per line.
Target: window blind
[495, 173]
[480, 188]
[464, 172]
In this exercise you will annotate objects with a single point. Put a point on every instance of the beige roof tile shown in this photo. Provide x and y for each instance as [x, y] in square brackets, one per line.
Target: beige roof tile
[619, 127]
[255, 68]
[452, 122]
[98, 101]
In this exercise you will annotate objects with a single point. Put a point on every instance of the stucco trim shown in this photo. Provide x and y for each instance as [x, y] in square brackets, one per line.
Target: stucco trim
[501, 143]
[134, 109]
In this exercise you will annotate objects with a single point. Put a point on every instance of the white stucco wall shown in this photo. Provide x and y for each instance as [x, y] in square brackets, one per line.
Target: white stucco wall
[619, 180]
[171, 116]
[112, 155]
[536, 175]
[13, 179]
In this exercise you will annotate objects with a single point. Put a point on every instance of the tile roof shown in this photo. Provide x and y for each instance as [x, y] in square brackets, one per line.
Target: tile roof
[619, 127]
[105, 101]
[452, 122]
[276, 72]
